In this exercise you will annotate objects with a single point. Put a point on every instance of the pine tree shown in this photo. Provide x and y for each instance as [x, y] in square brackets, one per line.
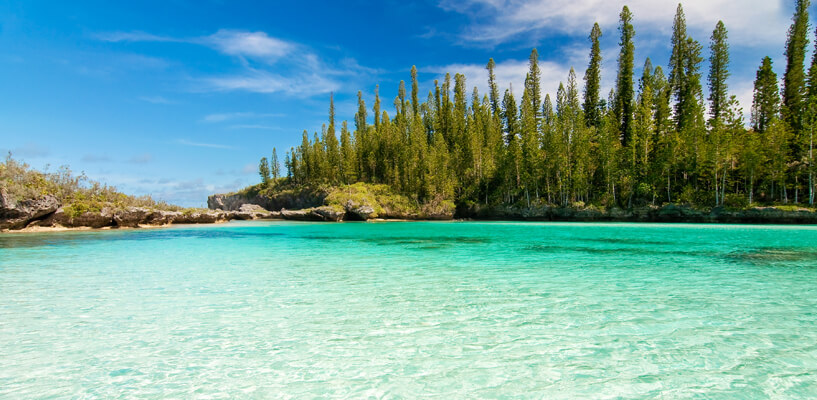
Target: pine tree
[348, 156]
[718, 73]
[678, 57]
[794, 79]
[624, 82]
[275, 168]
[811, 121]
[263, 170]
[331, 147]
[492, 86]
[592, 81]
[533, 84]
[766, 105]
[720, 136]
[415, 91]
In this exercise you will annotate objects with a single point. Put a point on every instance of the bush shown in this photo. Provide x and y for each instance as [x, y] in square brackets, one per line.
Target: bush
[77, 193]
[734, 200]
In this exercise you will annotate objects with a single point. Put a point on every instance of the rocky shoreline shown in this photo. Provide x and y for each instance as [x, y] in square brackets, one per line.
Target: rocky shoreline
[46, 213]
[670, 213]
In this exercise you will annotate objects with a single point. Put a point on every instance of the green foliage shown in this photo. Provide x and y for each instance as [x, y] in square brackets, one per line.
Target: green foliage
[735, 201]
[624, 83]
[794, 79]
[766, 105]
[592, 81]
[77, 193]
[646, 145]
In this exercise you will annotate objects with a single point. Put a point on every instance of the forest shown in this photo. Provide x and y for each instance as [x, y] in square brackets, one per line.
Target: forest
[653, 139]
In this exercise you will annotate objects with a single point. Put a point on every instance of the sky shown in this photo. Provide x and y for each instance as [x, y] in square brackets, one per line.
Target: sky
[180, 99]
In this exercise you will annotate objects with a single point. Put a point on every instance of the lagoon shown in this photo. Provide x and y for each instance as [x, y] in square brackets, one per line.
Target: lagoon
[411, 310]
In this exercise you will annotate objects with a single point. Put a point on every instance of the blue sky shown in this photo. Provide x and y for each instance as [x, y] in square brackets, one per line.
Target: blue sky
[180, 99]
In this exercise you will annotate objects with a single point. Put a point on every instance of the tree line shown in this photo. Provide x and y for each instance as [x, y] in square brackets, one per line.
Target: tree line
[652, 140]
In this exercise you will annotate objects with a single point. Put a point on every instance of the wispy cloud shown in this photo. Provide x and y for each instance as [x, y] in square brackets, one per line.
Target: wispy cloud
[268, 64]
[751, 22]
[221, 117]
[252, 44]
[95, 158]
[144, 158]
[186, 142]
[255, 126]
[135, 36]
[299, 84]
[156, 100]
[29, 150]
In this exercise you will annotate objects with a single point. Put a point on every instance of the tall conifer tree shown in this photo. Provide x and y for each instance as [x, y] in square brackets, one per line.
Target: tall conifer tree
[592, 80]
[624, 82]
[794, 79]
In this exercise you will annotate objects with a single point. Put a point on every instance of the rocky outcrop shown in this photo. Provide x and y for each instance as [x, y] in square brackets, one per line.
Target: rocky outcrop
[325, 214]
[359, 212]
[17, 214]
[99, 219]
[286, 199]
[251, 211]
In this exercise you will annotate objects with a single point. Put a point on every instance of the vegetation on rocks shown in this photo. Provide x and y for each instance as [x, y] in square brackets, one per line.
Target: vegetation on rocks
[76, 193]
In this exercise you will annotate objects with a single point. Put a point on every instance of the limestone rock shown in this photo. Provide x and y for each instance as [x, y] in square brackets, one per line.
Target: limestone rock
[329, 214]
[208, 217]
[17, 214]
[89, 219]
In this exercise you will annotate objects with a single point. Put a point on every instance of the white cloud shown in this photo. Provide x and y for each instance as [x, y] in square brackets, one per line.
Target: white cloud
[253, 44]
[141, 159]
[156, 100]
[296, 83]
[255, 126]
[221, 117]
[268, 64]
[135, 36]
[750, 22]
[186, 142]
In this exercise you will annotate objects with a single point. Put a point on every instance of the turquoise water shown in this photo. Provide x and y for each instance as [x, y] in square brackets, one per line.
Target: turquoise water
[411, 310]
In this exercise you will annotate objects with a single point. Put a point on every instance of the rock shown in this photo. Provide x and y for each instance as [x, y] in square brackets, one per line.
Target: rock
[309, 214]
[329, 214]
[361, 213]
[131, 217]
[250, 211]
[91, 219]
[196, 217]
[297, 199]
[159, 217]
[17, 214]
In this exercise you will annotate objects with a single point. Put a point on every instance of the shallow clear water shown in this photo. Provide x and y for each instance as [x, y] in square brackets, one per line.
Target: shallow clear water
[407, 310]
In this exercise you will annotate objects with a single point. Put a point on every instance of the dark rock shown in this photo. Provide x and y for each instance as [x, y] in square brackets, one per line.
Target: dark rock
[196, 217]
[250, 211]
[329, 214]
[131, 217]
[363, 212]
[17, 214]
[301, 215]
[290, 199]
[89, 219]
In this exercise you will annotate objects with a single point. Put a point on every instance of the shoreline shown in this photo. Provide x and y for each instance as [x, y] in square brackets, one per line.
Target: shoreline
[782, 222]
